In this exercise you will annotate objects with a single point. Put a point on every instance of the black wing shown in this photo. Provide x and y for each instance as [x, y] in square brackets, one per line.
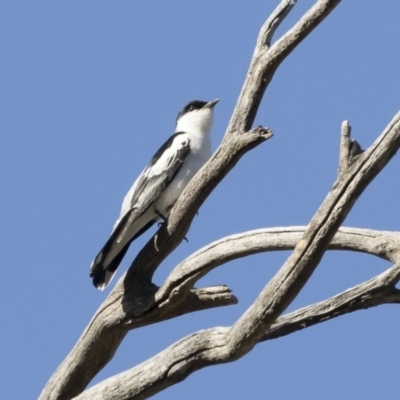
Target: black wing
[162, 169]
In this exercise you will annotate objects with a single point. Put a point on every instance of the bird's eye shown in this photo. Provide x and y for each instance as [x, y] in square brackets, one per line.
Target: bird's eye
[191, 108]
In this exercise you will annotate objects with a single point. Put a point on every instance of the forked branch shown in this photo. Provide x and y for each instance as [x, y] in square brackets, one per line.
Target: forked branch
[259, 322]
[133, 302]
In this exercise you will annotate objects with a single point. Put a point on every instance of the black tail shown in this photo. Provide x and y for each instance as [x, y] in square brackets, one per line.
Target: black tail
[102, 275]
[102, 270]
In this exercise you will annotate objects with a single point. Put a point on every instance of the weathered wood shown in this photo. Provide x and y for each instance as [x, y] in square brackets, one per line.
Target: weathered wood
[374, 292]
[221, 345]
[382, 244]
[136, 301]
[176, 358]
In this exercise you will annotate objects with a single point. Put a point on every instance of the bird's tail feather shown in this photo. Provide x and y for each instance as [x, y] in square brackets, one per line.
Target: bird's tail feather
[105, 264]
[110, 256]
[102, 276]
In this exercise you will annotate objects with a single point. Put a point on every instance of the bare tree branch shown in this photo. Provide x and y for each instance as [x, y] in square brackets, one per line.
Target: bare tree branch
[136, 302]
[266, 61]
[170, 366]
[374, 292]
[221, 345]
[382, 244]
[290, 279]
[271, 24]
[345, 145]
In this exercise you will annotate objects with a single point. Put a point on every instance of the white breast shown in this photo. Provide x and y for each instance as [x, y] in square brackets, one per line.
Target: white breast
[200, 152]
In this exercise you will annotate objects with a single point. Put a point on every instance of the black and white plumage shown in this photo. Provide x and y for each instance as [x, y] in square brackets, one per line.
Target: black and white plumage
[157, 188]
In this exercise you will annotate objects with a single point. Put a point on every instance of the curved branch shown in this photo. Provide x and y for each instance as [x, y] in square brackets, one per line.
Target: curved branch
[293, 275]
[382, 244]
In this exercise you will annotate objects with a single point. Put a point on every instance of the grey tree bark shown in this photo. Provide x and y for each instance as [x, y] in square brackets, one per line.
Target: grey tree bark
[136, 301]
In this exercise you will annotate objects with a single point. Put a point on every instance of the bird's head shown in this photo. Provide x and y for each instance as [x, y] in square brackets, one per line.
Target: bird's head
[196, 115]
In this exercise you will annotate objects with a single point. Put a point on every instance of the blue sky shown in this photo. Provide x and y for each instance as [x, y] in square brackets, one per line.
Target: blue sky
[89, 91]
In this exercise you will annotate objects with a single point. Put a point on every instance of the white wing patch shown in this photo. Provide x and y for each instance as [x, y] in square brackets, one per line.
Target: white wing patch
[169, 155]
[151, 175]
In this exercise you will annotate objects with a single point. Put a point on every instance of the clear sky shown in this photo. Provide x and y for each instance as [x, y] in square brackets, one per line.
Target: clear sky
[89, 90]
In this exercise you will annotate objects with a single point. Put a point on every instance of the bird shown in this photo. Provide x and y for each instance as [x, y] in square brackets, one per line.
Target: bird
[155, 191]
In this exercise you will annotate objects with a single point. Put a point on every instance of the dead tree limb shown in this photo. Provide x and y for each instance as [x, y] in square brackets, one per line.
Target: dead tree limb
[136, 301]
[177, 361]
[221, 345]
[184, 276]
